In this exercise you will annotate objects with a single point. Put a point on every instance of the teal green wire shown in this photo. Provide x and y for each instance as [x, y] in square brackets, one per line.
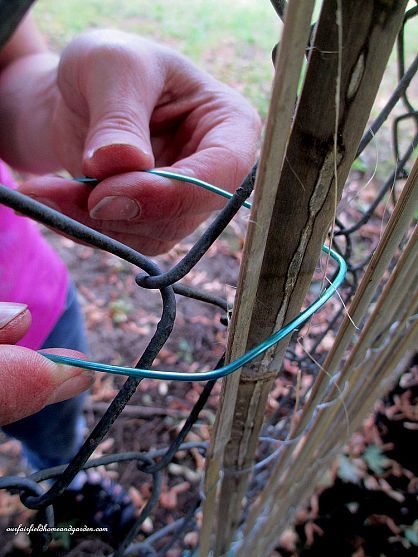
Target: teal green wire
[239, 362]
[196, 182]
[175, 176]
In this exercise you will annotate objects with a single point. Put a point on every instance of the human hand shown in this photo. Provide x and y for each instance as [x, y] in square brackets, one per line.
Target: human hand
[126, 104]
[28, 381]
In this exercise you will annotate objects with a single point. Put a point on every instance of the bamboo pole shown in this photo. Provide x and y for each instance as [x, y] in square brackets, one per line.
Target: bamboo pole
[404, 274]
[392, 235]
[395, 229]
[288, 69]
[368, 378]
[322, 147]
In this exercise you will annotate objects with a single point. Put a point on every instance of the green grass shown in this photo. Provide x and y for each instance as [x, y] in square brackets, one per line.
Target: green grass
[232, 40]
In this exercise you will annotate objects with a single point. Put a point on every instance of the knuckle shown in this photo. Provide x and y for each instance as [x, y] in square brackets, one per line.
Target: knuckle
[123, 119]
[108, 53]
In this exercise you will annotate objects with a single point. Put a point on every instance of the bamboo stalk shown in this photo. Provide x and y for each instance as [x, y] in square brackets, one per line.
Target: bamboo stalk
[288, 69]
[321, 147]
[312, 458]
[395, 229]
[393, 233]
[329, 431]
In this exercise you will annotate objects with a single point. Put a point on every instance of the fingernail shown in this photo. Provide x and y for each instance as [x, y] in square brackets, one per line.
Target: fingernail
[9, 311]
[127, 147]
[115, 207]
[45, 201]
[63, 373]
[70, 388]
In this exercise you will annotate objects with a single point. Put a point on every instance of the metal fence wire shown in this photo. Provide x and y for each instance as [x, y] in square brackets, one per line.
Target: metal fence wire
[155, 463]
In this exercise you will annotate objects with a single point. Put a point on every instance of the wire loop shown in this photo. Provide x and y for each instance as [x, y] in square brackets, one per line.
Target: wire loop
[239, 362]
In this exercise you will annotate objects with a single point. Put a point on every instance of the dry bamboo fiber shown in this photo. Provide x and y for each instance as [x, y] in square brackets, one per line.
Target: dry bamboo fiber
[397, 225]
[366, 371]
[298, 480]
[321, 148]
[289, 65]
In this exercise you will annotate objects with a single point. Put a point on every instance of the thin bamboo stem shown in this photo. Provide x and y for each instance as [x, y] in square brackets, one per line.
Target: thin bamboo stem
[393, 233]
[319, 154]
[288, 69]
[395, 229]
[312, 458]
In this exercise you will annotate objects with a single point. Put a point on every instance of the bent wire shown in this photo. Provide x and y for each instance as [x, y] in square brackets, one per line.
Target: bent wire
[174, 176]
[239, 362]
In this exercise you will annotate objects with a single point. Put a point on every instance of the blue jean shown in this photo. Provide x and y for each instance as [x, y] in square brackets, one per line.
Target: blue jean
[54, 435]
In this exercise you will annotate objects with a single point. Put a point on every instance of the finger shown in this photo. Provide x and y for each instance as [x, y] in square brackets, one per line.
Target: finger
[145, 198]
[218, 139]
[118, 88]
[137, 199]
[67, 196]
[71, 198]
[15, 320]
[125, 199]
[29, 381]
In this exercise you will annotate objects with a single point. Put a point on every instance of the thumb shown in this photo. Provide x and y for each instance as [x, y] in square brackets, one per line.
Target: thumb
[28, 381]
[118, 138]
[122, 153]
[120, 92]
[117, 90]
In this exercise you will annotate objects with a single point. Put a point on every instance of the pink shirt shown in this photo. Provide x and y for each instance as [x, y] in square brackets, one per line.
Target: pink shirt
[30, 271]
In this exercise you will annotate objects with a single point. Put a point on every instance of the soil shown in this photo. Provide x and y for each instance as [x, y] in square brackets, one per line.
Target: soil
[375, 514]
